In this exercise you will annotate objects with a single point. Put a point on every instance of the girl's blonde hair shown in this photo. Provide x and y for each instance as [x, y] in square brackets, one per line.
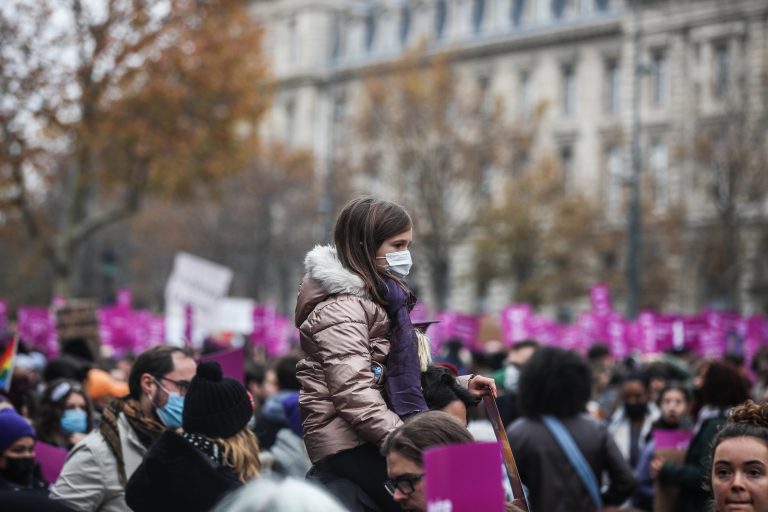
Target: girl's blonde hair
[241, 453]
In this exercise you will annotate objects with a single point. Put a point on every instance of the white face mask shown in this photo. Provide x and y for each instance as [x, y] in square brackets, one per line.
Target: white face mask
[398, 262]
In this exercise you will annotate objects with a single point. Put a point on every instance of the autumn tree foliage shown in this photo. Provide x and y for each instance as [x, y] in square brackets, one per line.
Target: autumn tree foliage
[104, 103]
[434, 138]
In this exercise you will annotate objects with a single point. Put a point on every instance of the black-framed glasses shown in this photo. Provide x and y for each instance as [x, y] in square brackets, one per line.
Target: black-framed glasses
[183, 385]
[405, 484]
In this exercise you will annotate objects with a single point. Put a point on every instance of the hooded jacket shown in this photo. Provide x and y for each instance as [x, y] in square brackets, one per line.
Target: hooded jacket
[345, 336]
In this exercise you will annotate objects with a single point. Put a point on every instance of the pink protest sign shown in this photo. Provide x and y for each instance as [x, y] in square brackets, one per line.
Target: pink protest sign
[51, 459]
[672, 439]
[3, 314]
[37, 327]
[464, 478]
[600, 297]
[232, 363]
[123, 299]
[516, 323]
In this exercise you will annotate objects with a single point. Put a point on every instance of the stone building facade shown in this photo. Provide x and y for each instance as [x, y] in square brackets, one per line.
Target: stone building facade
[610, 71]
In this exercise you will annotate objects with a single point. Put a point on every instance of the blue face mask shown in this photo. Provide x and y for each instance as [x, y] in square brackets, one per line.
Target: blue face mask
[170, 414]
[74, 421]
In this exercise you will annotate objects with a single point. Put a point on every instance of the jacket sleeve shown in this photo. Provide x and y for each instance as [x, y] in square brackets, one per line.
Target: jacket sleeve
[343, 348]
[622, 481]
[81, 482]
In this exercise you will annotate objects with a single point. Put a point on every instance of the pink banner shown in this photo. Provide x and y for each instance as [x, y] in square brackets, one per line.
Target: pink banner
[516, 323]
[37, 328]
[672, 439]
[464, 478]
[272, 331]
[3, 314]
[232, 363]
[600, 298]
[51, 459]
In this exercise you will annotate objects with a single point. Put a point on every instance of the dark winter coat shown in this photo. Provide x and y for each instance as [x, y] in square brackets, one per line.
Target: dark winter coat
[691, 476]
[176, 476]
[553, 483]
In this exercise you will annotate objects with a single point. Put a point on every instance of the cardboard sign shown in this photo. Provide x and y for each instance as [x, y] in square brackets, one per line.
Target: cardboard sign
[51, 459]
[197, 282]
[464, 478]
[232, 363]
[79, 319]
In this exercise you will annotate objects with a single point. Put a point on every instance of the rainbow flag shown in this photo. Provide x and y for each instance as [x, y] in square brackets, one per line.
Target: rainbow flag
[6, 364]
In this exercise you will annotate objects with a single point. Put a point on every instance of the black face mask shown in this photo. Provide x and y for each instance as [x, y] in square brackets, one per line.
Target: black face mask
[635, 411]
[18, 469]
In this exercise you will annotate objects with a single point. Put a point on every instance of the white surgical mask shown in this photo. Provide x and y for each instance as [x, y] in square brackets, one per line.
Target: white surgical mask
[398, 262]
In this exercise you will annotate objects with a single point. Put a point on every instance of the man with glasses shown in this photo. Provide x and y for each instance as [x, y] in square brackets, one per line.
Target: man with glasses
[97, 469]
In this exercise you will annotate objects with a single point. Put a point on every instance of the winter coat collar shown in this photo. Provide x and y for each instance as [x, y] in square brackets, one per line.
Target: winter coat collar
[323, 265]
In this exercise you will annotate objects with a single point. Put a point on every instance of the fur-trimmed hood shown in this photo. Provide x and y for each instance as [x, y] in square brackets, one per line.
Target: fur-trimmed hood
[322, 265]
[325, 276]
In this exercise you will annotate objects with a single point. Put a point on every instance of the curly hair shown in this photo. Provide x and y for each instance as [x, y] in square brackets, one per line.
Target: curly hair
[746, 420]
[554, 382]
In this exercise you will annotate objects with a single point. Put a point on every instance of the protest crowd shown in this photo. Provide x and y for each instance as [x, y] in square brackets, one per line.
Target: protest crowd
[375, 409]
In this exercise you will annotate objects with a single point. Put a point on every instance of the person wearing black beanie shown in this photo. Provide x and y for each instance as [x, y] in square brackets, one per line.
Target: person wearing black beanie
[214, 455]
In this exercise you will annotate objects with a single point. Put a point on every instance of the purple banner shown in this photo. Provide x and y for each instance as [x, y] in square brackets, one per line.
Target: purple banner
[51, 459]
[37, 328]
[464, 478]
[232, 363]
[600, 298]
[3, 314]
[516, 323]
[671, 439]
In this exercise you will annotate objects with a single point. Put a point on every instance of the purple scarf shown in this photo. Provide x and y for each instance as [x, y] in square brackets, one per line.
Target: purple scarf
[403, 377]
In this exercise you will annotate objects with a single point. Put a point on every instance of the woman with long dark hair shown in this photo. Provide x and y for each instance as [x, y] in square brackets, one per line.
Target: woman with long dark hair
[66, 415]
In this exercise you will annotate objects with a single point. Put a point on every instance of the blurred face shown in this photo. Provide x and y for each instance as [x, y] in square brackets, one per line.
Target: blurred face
[270, 383]
[674, 406]
[75, 401]
[397, 243]
[740, 475]
[399, 469]
[633, 392]
[23, 448]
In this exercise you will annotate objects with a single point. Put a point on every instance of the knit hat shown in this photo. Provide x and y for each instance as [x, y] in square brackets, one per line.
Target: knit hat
[215, 406]
[13, 426]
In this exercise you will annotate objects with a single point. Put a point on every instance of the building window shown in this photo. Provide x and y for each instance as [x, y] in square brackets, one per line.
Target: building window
[558, 9]
[613, 183]
[478, 15]
[566, 166]
[405, 25]
[722, 70]
[526, 92]
[659, 79]
[612, 86]
[335, 38]
[289, 111]
[338, 116]
[517, 12]
[370, 32]
[441, 13]
[660, 170]
[602, 5]
[292, 41]
[568, 91]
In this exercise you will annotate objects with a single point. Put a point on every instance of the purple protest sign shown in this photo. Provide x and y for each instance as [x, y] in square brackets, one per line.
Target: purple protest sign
[464, 478]
[671, 439]
[123, 298]
[419, 313]
[232, 363]
[516, 323]
[646, 332]
[618, 336]
[600, 298]
[51, 459]
[3, 314]
[189, 324]
[37, 327]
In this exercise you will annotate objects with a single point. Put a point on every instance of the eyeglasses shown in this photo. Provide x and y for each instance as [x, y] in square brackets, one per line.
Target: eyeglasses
[183, 385]
[402, 483]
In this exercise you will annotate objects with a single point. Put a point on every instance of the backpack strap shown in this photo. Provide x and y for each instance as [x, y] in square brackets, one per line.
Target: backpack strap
[576, 458]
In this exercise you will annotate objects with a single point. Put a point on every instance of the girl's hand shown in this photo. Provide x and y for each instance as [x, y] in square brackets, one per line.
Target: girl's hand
[656, 465]
[480, 386]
